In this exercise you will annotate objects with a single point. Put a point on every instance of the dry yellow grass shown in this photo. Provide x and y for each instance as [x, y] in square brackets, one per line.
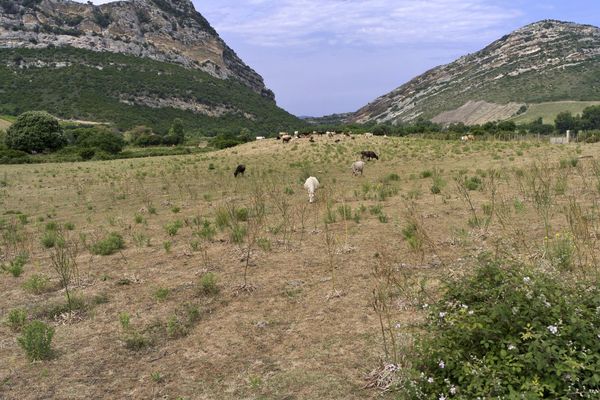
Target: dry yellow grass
[289, 338]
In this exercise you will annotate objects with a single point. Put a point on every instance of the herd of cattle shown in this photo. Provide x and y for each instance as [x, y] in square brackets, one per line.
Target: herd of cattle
[312, 183]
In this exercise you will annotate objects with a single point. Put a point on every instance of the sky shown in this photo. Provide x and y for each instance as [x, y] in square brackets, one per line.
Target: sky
[331, 56]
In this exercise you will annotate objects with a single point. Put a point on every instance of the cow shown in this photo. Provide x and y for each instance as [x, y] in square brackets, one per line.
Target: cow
[240, 169]
[368, 155]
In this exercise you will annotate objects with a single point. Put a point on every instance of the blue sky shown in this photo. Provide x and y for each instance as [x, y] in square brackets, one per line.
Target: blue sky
[329, 56]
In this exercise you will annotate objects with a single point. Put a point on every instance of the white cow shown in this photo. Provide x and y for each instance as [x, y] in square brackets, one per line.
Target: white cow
[357, 167]
[311, 185]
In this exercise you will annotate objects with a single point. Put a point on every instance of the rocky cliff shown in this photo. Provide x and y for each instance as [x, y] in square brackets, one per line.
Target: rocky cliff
[544, 61]
[164, 30]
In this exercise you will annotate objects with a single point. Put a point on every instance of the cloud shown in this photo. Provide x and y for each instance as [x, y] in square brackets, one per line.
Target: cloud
[305, 23]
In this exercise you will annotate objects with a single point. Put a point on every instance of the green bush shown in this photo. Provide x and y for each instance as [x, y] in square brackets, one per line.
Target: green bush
[100, 138]
[16, 319]
[36, 284]
[109, 245]
[36, 340]
[9, 156]
[15, 266]
[511, 332]
[50, 239]
[35, 131]
[208, 284]
[173, 227]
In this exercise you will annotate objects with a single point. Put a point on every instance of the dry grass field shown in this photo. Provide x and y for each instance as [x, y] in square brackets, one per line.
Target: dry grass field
[149, 322]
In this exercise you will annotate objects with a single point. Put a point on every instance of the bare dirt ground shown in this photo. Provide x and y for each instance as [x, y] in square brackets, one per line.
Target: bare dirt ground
[288, 338]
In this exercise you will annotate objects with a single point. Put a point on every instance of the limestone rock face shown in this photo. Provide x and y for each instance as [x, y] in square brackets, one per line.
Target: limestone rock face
[545, 61]
[164, 30]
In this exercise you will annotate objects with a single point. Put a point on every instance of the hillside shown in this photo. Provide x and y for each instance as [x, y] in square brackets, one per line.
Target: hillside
[543, 62]
[128, 62]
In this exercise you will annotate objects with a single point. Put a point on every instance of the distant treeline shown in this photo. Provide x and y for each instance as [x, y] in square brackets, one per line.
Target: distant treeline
[586, 125]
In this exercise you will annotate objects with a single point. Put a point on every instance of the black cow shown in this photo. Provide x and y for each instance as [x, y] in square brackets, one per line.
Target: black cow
[239, 170]
[369, 155]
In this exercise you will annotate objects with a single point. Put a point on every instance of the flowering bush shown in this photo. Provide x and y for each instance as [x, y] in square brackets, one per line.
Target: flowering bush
[512, 333]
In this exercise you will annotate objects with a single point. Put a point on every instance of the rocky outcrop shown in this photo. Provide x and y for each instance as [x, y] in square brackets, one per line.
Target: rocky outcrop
[164, 30]
[478, 112]
[544, 61]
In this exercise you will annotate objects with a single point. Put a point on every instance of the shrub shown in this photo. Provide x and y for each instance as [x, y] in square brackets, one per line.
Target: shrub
[208, 284]
[561, 251]
[36, 284]
[100, 138]
[15, 267]
[511, 332]
[36, 340]
[173, 227]
[16, 319]
[161, 294]
[35, 131]
[473, 183]
[109, 245]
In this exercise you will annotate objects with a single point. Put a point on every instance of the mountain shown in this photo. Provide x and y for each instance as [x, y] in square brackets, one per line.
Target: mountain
[543, 62]
[139, 58]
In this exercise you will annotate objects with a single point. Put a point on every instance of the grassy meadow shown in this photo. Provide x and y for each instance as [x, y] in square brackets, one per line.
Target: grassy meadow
[549, 111]
[186, 283]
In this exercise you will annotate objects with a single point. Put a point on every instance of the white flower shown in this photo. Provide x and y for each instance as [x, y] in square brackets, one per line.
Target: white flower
[527, 280]
[442, 314]
[553, 329]
[442, 397]
[442, 364]
[465, 306]
[471, 312]
[430, 380]
[452, 389]
[397, 326]
[512, 347]
[425, 305]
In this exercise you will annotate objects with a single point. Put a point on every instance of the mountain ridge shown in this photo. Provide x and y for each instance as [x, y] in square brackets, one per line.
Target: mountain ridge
[163, 30]
[547, 60]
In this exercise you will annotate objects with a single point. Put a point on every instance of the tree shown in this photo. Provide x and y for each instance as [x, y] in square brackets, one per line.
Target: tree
[507, 126]
[176, 134]
[590, 118]
[100, 138]
[565, 121]
[35, 131]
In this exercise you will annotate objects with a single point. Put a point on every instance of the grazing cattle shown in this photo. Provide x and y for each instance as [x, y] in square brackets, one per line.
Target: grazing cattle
[368, 134]
[312, 139]
[368, 155]
[286, 138]
[260, 138]
[311, 185]
[467, 138]
[240, 169]
[357, 167]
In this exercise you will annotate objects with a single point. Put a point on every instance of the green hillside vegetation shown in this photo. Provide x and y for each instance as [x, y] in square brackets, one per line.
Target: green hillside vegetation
[548, 111]
[579, 83]
[91, 85]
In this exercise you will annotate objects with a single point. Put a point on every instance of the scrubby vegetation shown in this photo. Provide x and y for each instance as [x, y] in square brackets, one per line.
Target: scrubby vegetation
[98, 86]
[511, 331]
